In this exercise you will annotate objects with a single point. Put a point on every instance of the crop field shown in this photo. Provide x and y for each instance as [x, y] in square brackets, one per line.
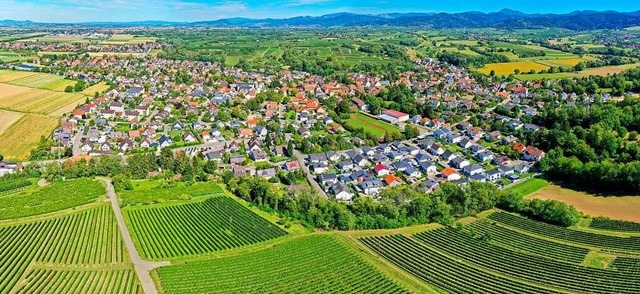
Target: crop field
[100, 88]
[376, 127]
[10, 75]
[631, 244]
[37, 81]
[570, 62]
[25, 134]
[619, 207]
[120, 39]
[517, 241]
[8, 56]
[149, 192]
[73, 248]
[39, 101]
[197, 228]
[8, 118]
[54, 197]
[596, 71]
[313, 264]
[507, 68]
[527, 267]
[59, 39]
[615, 225]
[444, 272]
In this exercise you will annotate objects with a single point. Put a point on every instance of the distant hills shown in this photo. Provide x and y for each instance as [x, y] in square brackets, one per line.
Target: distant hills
[506, 18]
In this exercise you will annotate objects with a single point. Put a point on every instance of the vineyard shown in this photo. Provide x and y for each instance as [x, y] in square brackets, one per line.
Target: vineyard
[442, 271]
[518, 241]
[615, 225]
[627, 264]
[88, 241]
[314, 264]
[54, 197]
[567, 235]
[12, 184]
[527, 267]
[197, 228]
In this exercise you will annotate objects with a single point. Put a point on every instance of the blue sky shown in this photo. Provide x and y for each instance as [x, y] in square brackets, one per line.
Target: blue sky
[196, 10]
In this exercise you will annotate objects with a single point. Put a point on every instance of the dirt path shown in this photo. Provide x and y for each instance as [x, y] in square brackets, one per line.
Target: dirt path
[142, 267]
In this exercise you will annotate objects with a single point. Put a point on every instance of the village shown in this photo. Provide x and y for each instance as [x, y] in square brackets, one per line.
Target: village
[246, 121]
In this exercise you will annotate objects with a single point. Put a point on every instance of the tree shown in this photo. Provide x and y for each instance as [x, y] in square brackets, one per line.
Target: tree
[68, 89]
[1, 157]
[290, 148]
[492, 73]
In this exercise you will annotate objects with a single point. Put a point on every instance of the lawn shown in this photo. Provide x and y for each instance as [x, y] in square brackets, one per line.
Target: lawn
[376, 127]
[527, 187]
[159, 191]
[25, 134]
[507, 68]
[614, 207]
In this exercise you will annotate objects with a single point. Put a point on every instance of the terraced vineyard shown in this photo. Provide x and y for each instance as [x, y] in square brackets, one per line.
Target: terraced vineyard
[190, 229]
[615, 225]
[87, 241]
[518, 241]
[526, 267]
[81, 281]
[314, 264]
[627, 264]
[563, 234]
[54, 197]
[442, 271]
[12, 184]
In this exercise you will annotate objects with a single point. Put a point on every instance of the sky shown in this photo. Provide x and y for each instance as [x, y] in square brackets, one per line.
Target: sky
[198, 10]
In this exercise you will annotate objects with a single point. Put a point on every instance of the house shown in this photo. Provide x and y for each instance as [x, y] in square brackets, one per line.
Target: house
[459, 162]
[501, 160]
[164, 142]
[423, 157]
[531, 128]
[506, 170]
[493, 175]
[332, 156]
[480, 177]
[428, 167]
[381, 170]
[292, 166]
[465, 143]
[392, 181]
[258, 155]
[450, 174]
[435, 149]
[472, 169]
[189, 137]
[412, 172]
[177, 126]
[485, 156]
[393, 116]
[428, 186]
[509, 140]
[341, 192]
[238, 159]
[328, 179]
[360, 104]
[532, 154]
[371, 186]
[400, 165]
[493, 136]
[116, 106]
[266, 173]
[346, 165]
[319, 168]
[448, 155]
[239, 171]
[317, 157]
[453, 138]
[522, 168]
[245, 133]
[360, 161]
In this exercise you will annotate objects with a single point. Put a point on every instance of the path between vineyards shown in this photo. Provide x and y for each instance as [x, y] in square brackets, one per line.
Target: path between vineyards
[142, 267]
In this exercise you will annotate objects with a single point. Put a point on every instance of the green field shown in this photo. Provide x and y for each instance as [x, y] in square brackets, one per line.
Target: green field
[615, 225]
[149, 191]
[67, 254]
[314, 264]
[196, 228]
[528, 186]
[596, 71]
[54, 197]
[376, 127]
[38, 81]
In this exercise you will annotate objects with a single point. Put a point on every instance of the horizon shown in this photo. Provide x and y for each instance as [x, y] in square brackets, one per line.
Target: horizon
[74, 11]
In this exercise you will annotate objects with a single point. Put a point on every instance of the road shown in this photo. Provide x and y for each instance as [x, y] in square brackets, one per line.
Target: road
[300, 157]
[142, 267]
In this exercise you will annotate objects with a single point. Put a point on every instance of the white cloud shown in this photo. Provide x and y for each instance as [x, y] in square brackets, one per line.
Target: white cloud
[293, 3]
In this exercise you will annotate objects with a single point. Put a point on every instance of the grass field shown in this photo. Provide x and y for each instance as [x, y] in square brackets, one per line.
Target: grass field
[53, 197]
[371, 125]
[313, 264]
[527, 187]
[622, 208]
[82, 252]
[100, 88]
[37, 81]
[507, 68]
[25, 134]
[8, 118]
[149, 192]
[196, 228]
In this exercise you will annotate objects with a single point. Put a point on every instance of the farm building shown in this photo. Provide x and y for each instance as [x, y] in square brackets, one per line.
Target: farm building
[392, 116]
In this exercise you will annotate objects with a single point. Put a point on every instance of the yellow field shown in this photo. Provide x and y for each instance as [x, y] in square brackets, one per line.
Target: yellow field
[119, 39]
[21, 137]
[570, 62]
[607, 70]
[623, 208]
[507, 68]
[37, 81]
[39, 101]
[100, 87]
[100, 54]
[10, 75]
[7, 118]
[10, 90]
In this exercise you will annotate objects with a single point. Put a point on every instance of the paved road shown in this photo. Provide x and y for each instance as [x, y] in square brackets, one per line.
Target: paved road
[300, 157]
[142, 267]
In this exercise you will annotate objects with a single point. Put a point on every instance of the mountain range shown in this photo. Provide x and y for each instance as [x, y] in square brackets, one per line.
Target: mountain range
[506, 18]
